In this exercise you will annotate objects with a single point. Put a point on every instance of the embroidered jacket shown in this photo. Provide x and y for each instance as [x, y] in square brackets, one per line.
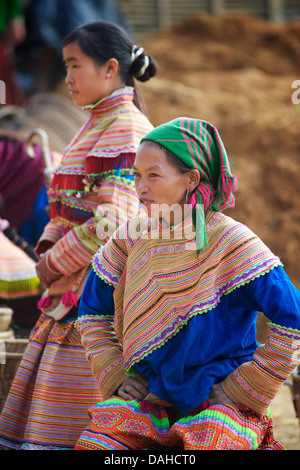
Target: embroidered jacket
[92, 192]
[187, 320]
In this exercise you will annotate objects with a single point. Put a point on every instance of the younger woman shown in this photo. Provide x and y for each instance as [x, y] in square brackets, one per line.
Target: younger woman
[92, 192]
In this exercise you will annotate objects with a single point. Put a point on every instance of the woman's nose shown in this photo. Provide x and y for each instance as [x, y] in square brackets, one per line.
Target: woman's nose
[68, 78]
[143, 187]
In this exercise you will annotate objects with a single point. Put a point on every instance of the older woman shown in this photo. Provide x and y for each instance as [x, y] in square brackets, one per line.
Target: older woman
[168, 313]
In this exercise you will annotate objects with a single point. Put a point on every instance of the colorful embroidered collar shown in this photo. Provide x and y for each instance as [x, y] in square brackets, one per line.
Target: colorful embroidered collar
[112, 101]
[161, 284]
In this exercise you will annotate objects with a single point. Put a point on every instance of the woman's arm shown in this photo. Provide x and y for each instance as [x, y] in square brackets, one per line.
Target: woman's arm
[96, 326]
[51, 234]
[46, 271]
[77, 248]
[255, 383]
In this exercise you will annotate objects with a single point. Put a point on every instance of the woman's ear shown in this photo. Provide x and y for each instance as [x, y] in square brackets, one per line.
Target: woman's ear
[112, 68]
[194, 179]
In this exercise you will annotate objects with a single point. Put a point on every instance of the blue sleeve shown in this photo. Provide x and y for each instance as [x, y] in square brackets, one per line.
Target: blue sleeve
[276, 297]
[97, 297]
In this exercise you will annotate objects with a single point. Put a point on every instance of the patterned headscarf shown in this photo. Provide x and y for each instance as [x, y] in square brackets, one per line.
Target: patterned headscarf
[198, 144]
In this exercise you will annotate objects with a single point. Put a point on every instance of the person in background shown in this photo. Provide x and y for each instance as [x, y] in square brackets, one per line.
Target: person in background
[23, 204]
[12, 33]
[91, 193]
[168, 313]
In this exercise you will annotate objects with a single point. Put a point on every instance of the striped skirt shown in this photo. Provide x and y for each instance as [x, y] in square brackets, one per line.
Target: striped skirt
[47, 406]
[118, 424]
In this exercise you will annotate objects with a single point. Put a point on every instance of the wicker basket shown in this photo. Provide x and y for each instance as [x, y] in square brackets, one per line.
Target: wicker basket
[14, 350]
[6, 335]
[5, 318]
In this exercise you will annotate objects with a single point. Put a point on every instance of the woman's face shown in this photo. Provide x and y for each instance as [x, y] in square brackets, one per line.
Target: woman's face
[160, 186]
[88, 82]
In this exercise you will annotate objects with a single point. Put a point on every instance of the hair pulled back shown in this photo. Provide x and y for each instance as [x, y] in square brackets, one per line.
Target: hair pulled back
[102, 40]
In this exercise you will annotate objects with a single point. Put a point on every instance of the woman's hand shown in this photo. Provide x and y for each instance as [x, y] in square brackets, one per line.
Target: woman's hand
[134, 387]
[45, 272]
[218, 397]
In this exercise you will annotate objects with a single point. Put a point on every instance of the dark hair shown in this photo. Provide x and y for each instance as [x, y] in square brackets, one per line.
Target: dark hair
[102, 40]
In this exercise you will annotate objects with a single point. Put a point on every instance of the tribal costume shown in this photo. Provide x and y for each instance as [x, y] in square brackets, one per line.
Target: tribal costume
[23, 204]
[184, 316]
[92, 192]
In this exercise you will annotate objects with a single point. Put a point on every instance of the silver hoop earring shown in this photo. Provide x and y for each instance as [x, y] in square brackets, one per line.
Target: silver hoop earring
[187, 197]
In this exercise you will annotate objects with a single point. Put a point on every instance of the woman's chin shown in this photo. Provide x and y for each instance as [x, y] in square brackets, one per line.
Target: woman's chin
[78, 100]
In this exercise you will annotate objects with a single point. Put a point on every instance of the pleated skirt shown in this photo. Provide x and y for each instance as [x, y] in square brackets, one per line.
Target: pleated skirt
[118, 424]
[47, 406]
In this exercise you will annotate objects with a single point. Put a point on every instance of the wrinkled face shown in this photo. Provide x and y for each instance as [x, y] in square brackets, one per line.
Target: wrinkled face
[88, 82]
[160, 186]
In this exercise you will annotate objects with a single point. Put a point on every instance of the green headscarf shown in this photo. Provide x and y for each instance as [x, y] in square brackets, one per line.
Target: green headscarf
[198, 144]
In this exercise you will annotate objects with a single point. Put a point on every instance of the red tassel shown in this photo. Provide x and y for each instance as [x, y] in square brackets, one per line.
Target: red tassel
[67, 182]
[44, 302]
[69, 299]
[97, 165]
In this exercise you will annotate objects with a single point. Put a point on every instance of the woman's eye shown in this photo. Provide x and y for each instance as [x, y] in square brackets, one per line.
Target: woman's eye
[71, 67]
[153, 175]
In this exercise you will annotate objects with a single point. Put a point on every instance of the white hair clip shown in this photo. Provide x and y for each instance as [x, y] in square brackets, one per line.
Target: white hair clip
[136, 52]
[143, 69]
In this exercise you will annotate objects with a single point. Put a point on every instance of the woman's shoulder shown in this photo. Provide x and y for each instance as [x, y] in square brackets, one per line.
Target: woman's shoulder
[133, 229]
[132, 118]
[226, 233]
[220, 222]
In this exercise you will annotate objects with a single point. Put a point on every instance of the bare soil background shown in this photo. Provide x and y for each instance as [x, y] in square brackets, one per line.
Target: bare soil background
[237, 72]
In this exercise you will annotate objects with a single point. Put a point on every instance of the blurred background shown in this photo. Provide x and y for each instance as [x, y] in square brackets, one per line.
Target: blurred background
[231, 62]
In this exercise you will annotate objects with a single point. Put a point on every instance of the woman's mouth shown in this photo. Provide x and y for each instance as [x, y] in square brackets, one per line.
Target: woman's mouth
[146, 202]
